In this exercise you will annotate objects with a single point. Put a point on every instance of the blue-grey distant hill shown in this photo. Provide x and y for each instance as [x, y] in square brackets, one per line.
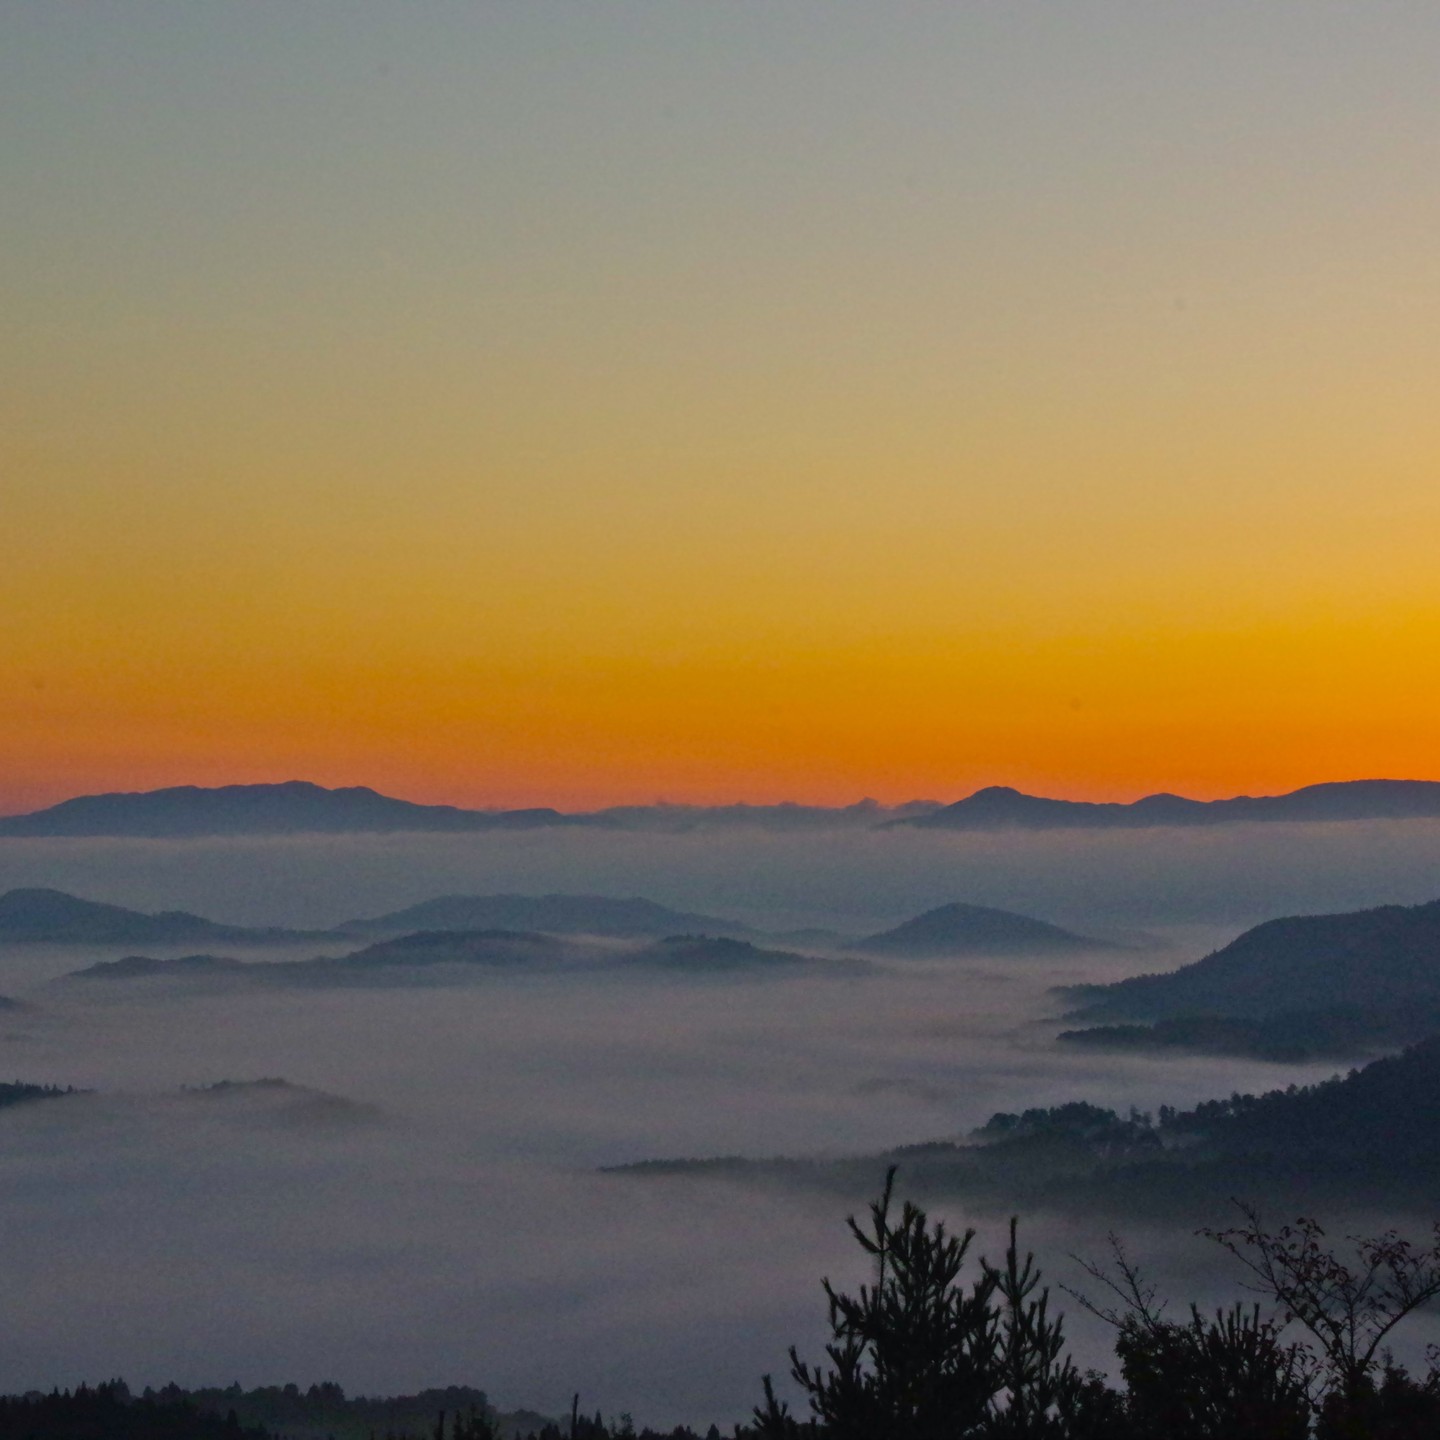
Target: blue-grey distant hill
[295, 807]
[38, 915]
[622, 917]
[998, 807]
[974, 930]
[439, 956]
[387, 962]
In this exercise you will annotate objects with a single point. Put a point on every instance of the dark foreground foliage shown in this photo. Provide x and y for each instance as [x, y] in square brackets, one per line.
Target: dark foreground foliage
[110, 1412]
[945, 1345]
[326, 1412]
[18, 1093]
[929, 1352]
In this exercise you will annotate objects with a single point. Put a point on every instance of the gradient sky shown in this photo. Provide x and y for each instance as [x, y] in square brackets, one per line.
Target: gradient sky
[553, 403]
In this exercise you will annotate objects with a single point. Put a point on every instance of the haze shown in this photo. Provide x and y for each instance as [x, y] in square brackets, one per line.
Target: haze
[446, 1223]
[540, 404]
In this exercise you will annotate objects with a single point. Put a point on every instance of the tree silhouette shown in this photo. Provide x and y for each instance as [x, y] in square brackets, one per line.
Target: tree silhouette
[919, 1354]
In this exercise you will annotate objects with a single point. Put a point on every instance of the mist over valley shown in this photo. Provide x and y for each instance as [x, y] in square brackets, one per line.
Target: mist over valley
[428, 1197]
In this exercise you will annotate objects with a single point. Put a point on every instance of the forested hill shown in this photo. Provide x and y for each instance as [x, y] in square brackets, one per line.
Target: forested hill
[1372, 958]
[1370, 1136]
[18, 1093]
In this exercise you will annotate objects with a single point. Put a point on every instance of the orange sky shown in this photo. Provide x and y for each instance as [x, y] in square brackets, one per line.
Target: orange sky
[543, 408]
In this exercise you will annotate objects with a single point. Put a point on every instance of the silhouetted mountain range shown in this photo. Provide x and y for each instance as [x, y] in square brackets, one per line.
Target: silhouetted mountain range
[960, 929]
[294, 807]
[53, 916]
[999, 807]
[297, 807]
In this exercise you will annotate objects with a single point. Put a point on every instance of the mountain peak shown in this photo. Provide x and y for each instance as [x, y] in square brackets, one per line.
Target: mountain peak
[959, 928]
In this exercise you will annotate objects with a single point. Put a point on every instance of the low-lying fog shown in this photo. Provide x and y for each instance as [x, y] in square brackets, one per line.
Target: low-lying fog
[1229, 875]
[445, 1223]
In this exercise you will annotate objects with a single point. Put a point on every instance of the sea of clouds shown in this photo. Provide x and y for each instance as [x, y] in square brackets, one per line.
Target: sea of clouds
[443, 1219]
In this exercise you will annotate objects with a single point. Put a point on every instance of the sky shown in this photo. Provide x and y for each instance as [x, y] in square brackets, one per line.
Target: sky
[553, 404]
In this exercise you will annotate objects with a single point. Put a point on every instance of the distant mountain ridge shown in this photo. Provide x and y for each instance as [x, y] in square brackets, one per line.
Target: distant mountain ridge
[998, 807]
[297, 807]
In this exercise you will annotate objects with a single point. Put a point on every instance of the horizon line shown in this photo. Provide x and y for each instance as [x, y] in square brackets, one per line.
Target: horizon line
[661, 803]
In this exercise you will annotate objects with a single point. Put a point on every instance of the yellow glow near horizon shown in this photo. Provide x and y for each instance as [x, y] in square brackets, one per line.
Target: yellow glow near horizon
[713, 437]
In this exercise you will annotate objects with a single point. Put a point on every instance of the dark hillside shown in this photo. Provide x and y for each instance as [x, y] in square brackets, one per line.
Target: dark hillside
[1375, 959]
[39, 915]
[1372, 1137]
